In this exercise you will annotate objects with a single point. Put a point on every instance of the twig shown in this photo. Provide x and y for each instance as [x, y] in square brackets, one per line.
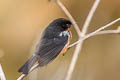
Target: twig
[74, 59]
[23, 75]
[2, 75]
[103, 32]
[79, 45]
[69, 16]
[108, 32]
[104, 27]
[97, 32]
[89, 17]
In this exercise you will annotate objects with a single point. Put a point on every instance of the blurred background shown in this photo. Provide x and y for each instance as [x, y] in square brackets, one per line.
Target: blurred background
[22, 22]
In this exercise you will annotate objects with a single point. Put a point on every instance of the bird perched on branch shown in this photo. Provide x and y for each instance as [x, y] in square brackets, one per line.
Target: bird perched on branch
[54, 41]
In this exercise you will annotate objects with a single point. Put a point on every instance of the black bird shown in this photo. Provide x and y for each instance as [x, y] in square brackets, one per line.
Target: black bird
[54, 41]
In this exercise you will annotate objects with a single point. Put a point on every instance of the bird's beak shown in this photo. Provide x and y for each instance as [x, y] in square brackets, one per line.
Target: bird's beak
[68, 29]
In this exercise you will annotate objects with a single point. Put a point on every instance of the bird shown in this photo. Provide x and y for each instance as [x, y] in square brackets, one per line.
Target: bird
[54, 41]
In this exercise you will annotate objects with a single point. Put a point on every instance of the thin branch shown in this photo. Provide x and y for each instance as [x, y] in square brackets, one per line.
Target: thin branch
[75, 43]
[108, 32]
[90, 15]
[24, 75]
[2, 75]
[74, 59]
[99, 33]
[69, 16]
[104, 27]
[79, 45]
[103, 32]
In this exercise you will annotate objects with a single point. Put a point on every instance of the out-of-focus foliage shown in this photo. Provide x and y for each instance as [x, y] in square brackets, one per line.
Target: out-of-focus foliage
[22, 21]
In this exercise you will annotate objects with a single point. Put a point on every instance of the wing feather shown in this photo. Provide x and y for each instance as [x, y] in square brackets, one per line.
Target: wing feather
[49, 50]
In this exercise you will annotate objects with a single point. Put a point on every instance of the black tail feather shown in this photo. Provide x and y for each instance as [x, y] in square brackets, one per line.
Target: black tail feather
[27, 66]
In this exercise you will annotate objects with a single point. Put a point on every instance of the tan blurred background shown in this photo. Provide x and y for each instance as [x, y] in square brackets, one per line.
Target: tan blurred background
[22, 21]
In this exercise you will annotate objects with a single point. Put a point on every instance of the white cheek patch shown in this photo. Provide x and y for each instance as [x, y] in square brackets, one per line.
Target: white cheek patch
[64, 33]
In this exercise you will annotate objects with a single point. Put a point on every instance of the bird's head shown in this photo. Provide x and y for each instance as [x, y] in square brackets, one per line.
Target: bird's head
[63, 23]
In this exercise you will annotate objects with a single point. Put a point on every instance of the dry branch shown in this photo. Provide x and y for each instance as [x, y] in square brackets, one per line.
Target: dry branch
[79, 45]
[2, 75]
[99, 31]
[23, 75]
[89, 17]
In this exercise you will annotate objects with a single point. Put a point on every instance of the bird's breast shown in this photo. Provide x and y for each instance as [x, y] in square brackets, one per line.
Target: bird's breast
[69, 34]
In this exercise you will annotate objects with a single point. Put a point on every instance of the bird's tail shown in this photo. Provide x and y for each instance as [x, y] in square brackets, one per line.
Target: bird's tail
[27, 66]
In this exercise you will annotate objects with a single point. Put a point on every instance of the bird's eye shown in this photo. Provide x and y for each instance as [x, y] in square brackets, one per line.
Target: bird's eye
[68, 24]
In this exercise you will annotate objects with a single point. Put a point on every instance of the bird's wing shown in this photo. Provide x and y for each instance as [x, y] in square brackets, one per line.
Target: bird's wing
[49, 49]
